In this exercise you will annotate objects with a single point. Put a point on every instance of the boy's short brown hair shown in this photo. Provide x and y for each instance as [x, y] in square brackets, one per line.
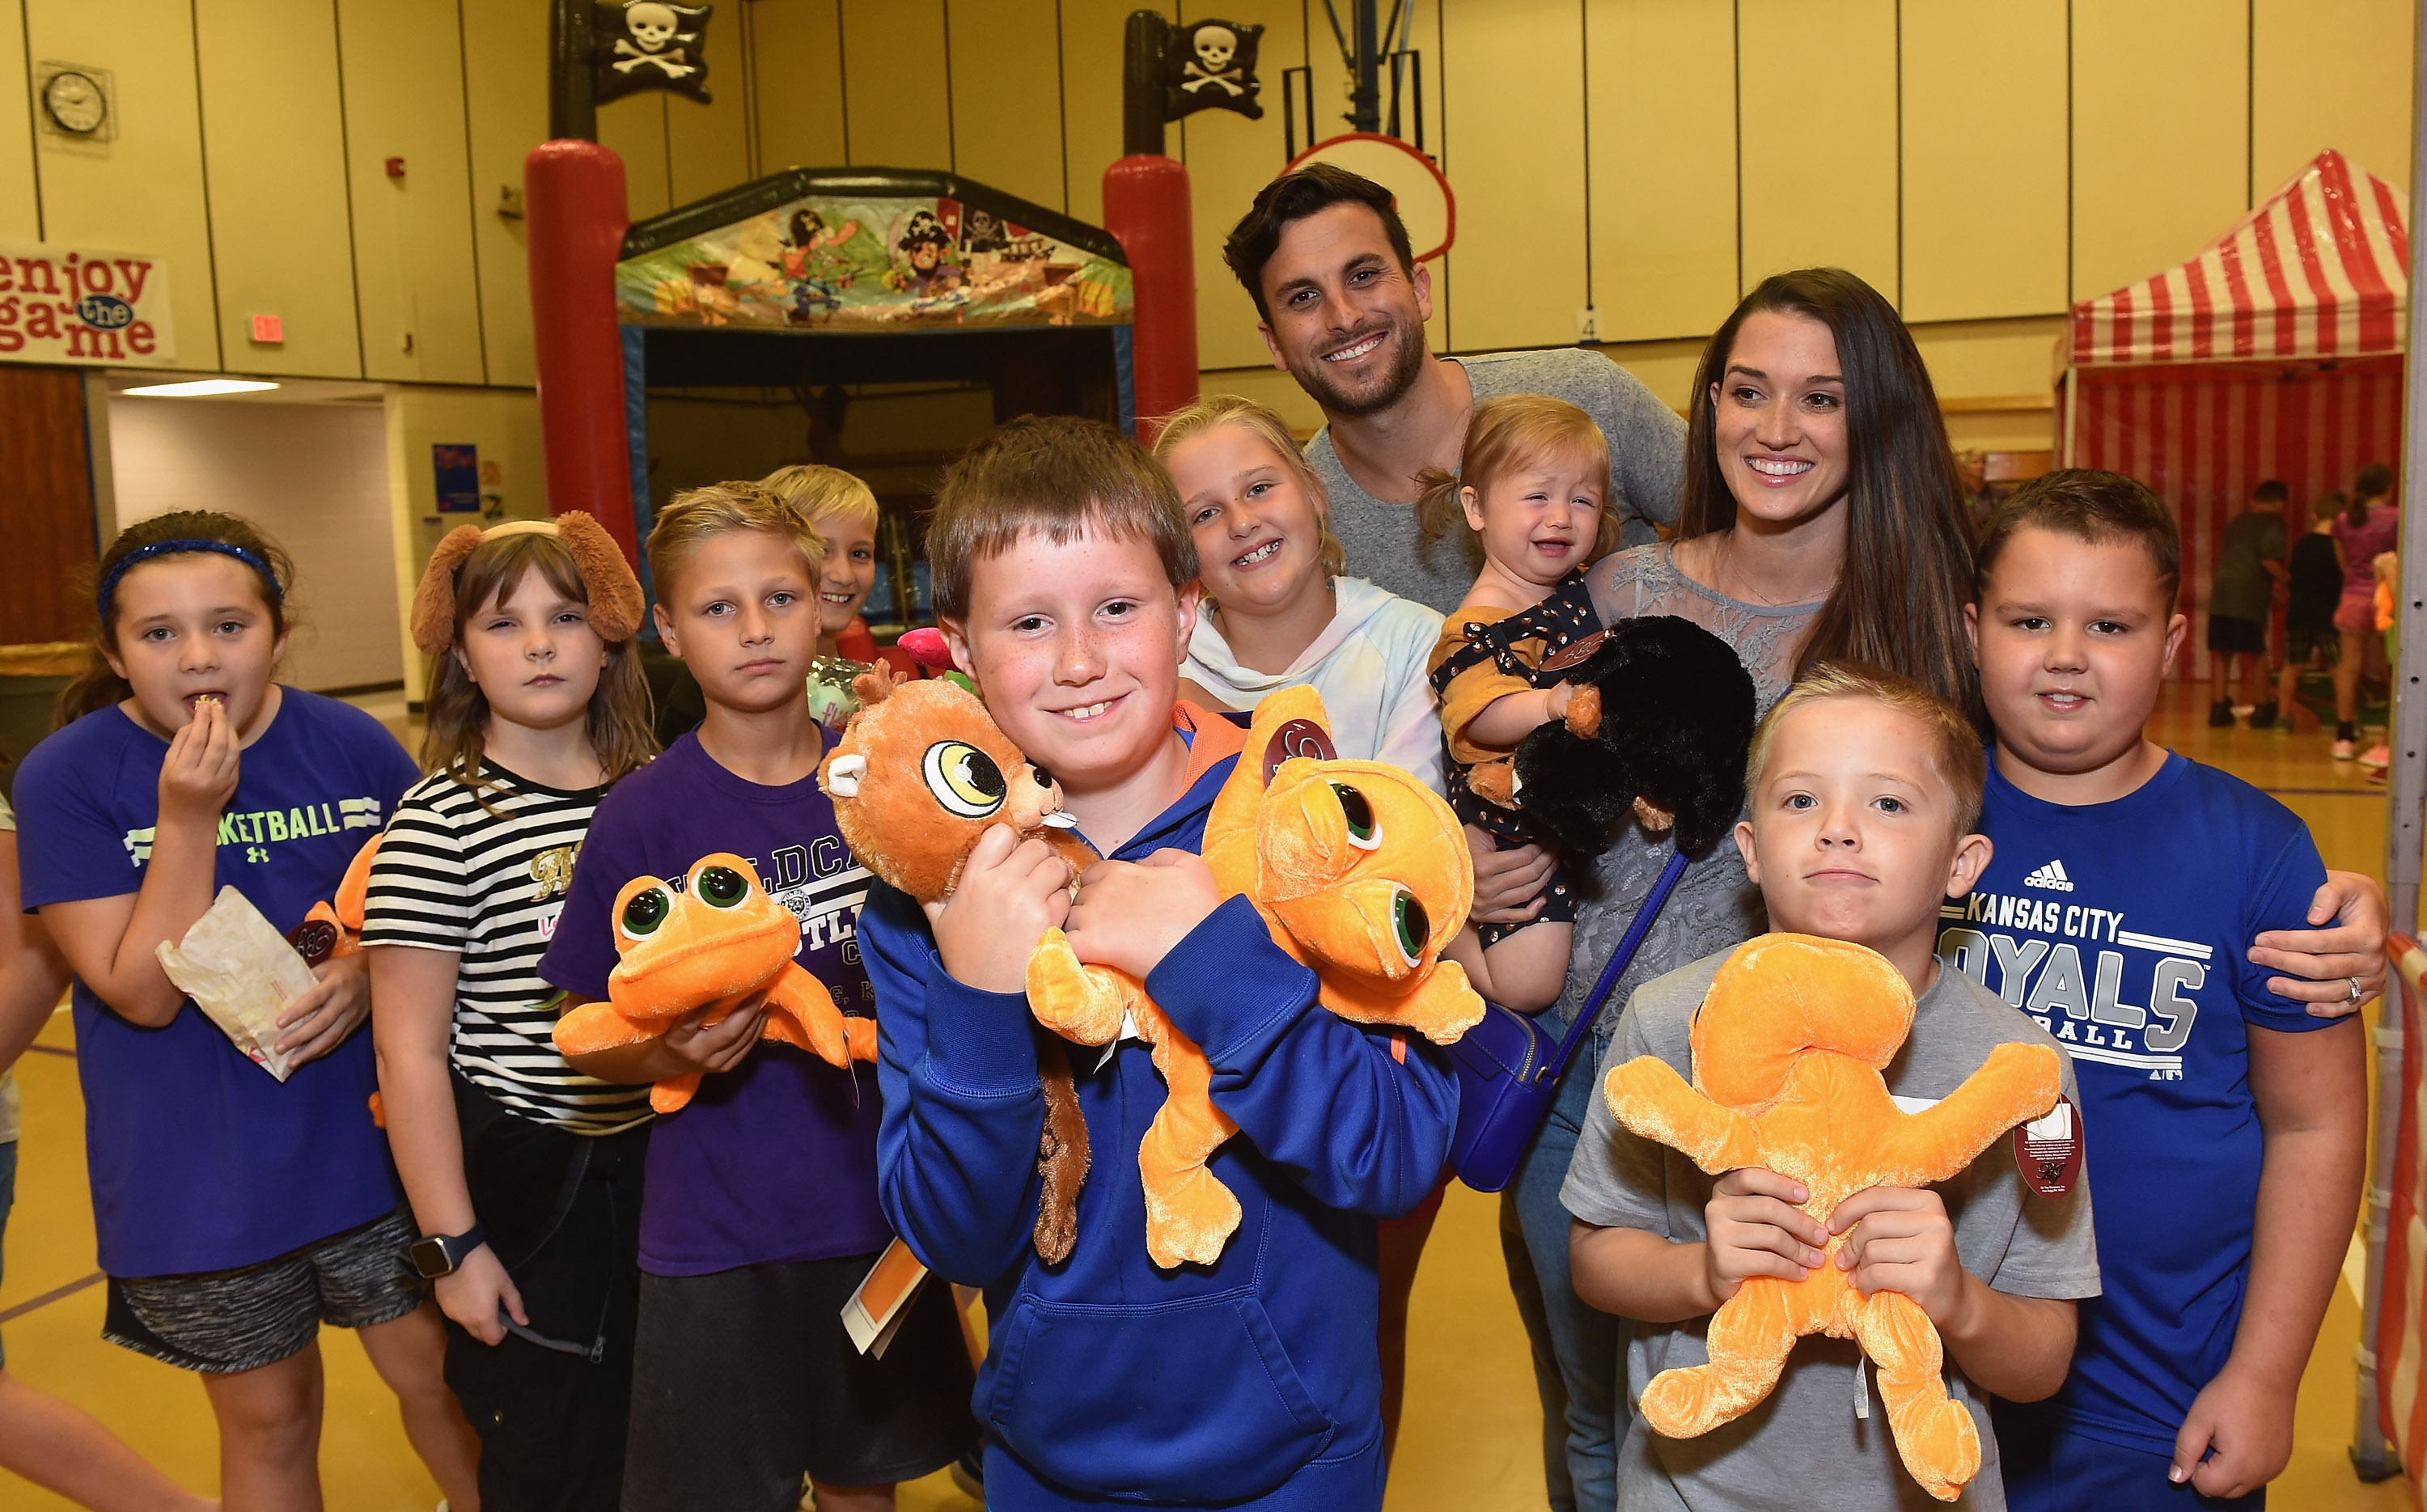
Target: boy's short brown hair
[1956, 754]
[697, 515]
[2089, 504]
[1058, 476]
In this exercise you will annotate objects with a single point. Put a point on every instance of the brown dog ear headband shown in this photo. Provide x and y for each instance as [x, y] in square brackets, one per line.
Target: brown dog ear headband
[615, 603]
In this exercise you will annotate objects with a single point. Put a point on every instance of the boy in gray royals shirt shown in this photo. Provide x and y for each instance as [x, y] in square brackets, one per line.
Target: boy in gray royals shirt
[1863, 791]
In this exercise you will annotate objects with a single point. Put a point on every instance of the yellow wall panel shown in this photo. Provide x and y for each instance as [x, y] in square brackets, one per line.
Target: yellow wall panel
[1230, 157]
[1091, 97]
[2330, 76]
[1007, 96]
[797, 87]
[414, 269]
[142, 192]
[505, 72]
[279, 212]
[634, 129]
[1985, 158]
[20, 210]
[1515, 154]
[708, 146]
[897, 100]
[1819, 183]
[1660, 76]
[2161, 160]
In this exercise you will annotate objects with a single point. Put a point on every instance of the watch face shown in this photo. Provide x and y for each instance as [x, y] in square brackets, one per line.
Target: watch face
[430, 1259]
[74, 102]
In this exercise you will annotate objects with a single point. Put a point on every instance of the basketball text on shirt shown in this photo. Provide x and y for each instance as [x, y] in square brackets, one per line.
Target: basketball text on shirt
[258, 829]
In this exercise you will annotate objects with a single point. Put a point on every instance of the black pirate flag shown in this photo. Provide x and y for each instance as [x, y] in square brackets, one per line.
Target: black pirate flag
[1211, 65]
[649, 44]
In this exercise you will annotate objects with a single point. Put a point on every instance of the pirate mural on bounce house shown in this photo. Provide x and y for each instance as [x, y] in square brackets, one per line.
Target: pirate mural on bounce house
[927, 260]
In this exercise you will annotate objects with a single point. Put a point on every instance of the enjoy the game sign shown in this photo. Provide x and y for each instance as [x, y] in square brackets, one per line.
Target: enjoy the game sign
[81, 305]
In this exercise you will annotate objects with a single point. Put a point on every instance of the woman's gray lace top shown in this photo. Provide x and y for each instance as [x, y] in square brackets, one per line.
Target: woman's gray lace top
[1714, 906]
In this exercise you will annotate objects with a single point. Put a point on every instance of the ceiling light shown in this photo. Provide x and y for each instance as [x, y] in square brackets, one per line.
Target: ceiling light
[199, 388]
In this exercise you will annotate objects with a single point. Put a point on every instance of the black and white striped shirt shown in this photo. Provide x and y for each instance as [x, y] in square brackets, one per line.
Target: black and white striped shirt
[489, 883]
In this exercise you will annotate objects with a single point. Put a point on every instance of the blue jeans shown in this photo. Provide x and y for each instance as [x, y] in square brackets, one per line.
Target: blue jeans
[1579, 1353]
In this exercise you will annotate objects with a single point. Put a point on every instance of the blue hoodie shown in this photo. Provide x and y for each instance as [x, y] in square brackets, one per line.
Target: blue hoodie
[1250, 1383]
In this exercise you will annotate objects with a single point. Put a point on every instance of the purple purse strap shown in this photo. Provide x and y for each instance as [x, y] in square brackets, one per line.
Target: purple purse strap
[1618, 961]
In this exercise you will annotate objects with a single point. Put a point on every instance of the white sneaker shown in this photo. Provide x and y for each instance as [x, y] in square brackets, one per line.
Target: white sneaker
[2344, 750]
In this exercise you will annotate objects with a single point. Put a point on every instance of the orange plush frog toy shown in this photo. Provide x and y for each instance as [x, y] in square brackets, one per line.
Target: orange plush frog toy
[710, 944]
[1788, 1048]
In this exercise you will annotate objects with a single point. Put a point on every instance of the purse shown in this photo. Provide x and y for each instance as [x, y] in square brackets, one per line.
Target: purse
[1508, 1067]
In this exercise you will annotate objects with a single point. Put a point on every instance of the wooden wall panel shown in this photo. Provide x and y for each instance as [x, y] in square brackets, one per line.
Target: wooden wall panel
[1819, 182]
[143, 191]
[505, 76]
[1514, 152]
[2160, 155]
[49, 510]
[798, 83]
[634, 128]
[21, 208]
[1985, 142]
[708, 146]
[1091, 96]
[273, 136]
[1230, 157]
[1661, 82]
[414, 269]
[1007, 96]
[900, 103]
[2330, 76]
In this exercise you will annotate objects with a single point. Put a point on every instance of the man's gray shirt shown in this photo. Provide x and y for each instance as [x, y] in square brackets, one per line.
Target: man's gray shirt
[1647, 473]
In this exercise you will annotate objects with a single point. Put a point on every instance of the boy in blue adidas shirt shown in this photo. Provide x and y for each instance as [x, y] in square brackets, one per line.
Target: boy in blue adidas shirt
[2223, 1122]
[1065, 578]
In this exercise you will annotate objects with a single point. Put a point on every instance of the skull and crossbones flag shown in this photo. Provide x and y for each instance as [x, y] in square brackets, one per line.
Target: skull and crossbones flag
[1211, 65]
[649, 44]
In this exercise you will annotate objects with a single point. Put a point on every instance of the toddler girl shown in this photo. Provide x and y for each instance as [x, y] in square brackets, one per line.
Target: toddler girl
[1277, 611]
[1533, 485]
[761, 1216]
[236, 1213]
[525, 1175]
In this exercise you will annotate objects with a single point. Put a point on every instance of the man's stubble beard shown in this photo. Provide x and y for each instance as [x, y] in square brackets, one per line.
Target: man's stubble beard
[1407, 364]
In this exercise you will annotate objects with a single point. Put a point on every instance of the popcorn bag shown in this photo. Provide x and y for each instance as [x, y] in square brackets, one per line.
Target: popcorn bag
[241, 973]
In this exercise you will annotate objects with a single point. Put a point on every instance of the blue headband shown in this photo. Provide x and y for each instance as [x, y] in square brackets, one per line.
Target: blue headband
[176, 548]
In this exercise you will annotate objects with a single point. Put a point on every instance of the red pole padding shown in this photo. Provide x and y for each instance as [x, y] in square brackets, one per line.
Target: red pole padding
[575, 209]
[1146, 205]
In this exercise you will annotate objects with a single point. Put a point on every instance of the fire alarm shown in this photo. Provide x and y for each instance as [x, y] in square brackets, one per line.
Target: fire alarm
[396, 168]
[269, 330]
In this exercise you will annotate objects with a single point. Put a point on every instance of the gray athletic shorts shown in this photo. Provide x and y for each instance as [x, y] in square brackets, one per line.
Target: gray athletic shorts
[222, 1322]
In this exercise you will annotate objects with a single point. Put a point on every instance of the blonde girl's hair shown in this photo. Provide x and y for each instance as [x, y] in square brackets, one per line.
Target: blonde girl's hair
[698, 514]
[822, 493]
[1202, 414]
[1956, 754]
[1508, 432]
[179, 533]
[620, 719]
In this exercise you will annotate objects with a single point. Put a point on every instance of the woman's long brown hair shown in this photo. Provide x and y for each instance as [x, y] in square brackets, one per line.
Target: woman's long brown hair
[619, 721]
[1907, 574]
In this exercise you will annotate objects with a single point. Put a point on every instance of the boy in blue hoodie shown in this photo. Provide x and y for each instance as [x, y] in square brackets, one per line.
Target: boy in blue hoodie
[1066, 583]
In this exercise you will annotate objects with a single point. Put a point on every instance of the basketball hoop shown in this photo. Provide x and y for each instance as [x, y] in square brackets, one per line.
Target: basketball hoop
[1418, 190]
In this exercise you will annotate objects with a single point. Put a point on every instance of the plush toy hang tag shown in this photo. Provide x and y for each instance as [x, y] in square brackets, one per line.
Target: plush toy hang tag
[1575, 653]
[2048, 1150]
[1299, 738]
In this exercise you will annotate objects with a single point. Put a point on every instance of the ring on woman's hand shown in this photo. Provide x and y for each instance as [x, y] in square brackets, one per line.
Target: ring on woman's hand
[2355, 992]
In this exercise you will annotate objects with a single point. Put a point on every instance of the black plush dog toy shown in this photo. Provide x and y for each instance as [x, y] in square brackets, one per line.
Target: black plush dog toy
[1666, 738]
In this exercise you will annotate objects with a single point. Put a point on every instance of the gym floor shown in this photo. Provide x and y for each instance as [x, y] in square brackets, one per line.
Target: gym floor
[1472, 1433]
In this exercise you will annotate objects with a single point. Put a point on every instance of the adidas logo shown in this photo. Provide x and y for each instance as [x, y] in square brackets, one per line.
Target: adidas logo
[2050, 876]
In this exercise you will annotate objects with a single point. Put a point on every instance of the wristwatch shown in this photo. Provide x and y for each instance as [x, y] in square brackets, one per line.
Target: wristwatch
[440, 1254]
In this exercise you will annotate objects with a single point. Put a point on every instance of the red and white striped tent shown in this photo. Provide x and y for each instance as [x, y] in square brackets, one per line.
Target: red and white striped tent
[2277, 353]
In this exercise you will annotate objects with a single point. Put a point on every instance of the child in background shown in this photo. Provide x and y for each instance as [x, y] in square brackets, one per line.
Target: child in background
[1277, 611]
[54, 1444]
[2368, 525]
[842, 510]
[2242, 592]
[2314, 585]
[524, 1174]
[761, 1216]
[2224, 1122]
[1534, 485]
[1863, 789]
[1066, 581]
[229, 1239]
[2387, 567]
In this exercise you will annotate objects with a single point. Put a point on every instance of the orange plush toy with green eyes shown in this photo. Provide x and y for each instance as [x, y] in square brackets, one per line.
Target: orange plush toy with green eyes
[711, 945]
